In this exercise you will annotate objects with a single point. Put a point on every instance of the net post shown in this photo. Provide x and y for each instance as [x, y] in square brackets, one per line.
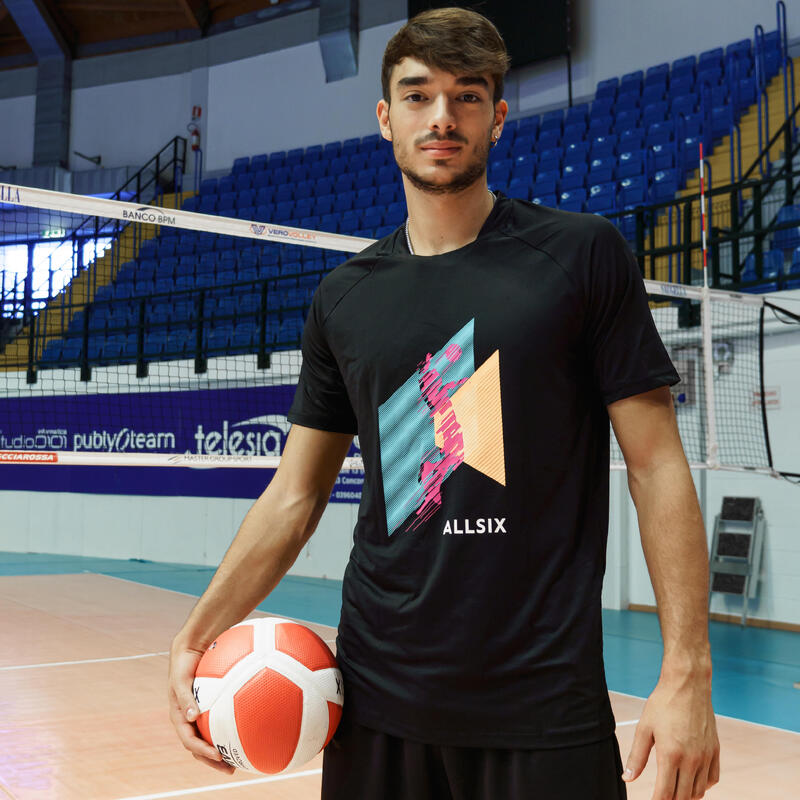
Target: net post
[200, 361]
[30, 376]
[712, 442]
[263, 358]
[86, 370]
[141, 365]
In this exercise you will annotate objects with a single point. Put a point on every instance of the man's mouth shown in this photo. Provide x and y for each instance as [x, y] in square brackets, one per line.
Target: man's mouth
[441, 148]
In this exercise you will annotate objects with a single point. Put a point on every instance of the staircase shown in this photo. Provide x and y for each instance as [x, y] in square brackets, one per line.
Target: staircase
[52, 321]
[673, 232]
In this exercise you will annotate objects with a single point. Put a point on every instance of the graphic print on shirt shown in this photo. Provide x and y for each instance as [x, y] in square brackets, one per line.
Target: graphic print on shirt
[446, 414]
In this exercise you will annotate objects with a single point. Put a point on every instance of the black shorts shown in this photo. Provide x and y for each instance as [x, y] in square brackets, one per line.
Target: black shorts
[363, 764]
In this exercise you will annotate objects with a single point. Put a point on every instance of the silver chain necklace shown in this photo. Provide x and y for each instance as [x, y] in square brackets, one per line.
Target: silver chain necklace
[408, 238]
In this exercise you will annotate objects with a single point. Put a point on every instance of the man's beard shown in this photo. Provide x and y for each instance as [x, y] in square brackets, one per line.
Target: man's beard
[464, 179]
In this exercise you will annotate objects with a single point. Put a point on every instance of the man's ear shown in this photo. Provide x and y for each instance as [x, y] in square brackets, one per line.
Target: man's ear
[500, 112]
[382, 112]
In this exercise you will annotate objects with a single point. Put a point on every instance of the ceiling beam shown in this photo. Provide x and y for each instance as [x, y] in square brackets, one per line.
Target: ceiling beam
[120, 6]
[196, 13]
[39, 28]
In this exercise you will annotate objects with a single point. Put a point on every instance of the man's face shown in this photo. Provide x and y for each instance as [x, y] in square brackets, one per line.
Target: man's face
[440, 125]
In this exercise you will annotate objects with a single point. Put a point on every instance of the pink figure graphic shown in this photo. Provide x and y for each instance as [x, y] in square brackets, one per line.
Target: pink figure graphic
[436, 395]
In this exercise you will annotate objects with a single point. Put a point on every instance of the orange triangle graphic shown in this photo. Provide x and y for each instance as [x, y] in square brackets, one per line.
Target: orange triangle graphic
[479, 414]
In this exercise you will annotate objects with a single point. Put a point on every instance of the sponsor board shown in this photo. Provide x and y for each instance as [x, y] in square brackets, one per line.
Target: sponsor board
[208, 428]
[10, 194]
[10, 457]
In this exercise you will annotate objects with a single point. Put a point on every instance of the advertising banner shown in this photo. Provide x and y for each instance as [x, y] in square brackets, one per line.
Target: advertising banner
[209, 423]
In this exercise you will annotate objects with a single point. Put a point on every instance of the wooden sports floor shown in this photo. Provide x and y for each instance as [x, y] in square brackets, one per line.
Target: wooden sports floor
[83, 714]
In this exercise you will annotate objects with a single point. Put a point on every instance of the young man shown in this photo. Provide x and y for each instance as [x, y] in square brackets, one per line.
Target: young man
[479, 351]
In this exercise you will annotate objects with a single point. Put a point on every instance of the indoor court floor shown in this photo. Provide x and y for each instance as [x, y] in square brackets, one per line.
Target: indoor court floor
[83, 712]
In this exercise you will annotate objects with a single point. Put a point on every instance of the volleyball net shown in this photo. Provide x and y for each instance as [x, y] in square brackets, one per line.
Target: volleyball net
[153, 335]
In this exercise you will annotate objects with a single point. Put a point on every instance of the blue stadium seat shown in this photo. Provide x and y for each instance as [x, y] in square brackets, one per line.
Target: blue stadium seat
[788, 238]
[660, 132]
[208, 186]
[373, 217]
[240, 165]
[607, 88]
[573, 200]
[243, 181]
[665, 184]
[364, 179]
[395, 214]
[655, 112]
[548, 138]
[312, 154]
[324, 186]
[283, 211]
[284, 192]
[344, 201]
[653, 94]
[683, 67]
[524, 166]
[574, 133]
[500, 171]
[350, 147]
[329, 222]
[304, 189]
[683, 104]
[226, 184]
[523, 145]
[681, 85]
[294, 156]
[602, 197]
[519, 188]
[631, 162]
[549, 200]
[603, 146]
[662, 156]
[190, 204]
[262, 179]
[577, 113]
[656, 74]
[550, 159]
[573, 176]
[600, 126]
[259, 162]
[631, 81]
[331, 150]
[350, 221]
[628, 118]
[602, 169]
[575, 152]
[546, 182]
[299, 173]
[633, 191]
[710, 58]
[365, 198]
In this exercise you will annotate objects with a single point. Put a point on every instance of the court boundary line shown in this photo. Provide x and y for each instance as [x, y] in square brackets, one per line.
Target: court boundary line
[297, 619]
[197, 597]
[721, 716]
[81, 661]
[222, 786]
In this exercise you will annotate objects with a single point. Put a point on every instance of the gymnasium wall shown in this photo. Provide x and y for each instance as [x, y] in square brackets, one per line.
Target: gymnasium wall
[263, 87]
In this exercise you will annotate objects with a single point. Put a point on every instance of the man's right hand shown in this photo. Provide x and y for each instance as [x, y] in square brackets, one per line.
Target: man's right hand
[183, 710]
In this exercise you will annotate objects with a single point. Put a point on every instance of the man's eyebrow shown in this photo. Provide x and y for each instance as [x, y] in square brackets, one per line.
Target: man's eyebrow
[464, 80]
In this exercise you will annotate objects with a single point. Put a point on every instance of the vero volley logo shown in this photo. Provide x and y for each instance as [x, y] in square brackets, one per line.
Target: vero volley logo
[446, 414]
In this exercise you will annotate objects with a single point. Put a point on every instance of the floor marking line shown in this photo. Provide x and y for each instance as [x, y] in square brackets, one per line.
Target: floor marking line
[627, 722]
[220, 786]
[721, 716]
[7, 792]
[83, 661]
[196, 596]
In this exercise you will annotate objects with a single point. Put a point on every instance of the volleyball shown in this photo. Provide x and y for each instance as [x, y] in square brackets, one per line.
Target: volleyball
[269, 693]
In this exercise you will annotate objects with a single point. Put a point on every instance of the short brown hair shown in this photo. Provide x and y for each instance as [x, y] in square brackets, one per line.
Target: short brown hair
[455, 40]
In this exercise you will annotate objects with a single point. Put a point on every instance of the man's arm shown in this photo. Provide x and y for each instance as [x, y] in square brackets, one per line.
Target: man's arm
[678, 717]
[269, 540]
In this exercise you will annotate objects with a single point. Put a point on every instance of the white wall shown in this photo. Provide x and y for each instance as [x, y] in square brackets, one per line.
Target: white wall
[188, 530]
[619, 36]
[128, 123]
[280, 100]
[16, 131]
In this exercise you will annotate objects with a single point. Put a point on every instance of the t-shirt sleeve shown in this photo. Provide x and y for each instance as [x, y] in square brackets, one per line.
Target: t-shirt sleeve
[625, 348]
[321, 400]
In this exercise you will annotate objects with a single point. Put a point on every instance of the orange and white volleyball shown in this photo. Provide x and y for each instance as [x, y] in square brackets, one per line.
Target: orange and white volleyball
[270, 695]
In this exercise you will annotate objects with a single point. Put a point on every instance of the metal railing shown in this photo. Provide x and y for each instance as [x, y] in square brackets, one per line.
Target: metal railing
[19, 299]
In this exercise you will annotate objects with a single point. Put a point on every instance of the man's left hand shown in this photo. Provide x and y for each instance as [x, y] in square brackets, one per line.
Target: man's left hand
[679, 720]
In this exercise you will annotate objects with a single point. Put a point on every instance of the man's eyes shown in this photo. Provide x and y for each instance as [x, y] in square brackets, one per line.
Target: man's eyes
[469, 97]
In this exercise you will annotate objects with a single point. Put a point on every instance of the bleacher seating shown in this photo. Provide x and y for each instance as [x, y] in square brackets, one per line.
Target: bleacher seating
[633, 144]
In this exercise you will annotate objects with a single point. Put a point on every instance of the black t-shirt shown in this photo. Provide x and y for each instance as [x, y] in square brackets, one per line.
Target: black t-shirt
[477, 382]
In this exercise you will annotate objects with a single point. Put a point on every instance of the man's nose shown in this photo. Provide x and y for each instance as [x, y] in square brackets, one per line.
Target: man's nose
[442, 117]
